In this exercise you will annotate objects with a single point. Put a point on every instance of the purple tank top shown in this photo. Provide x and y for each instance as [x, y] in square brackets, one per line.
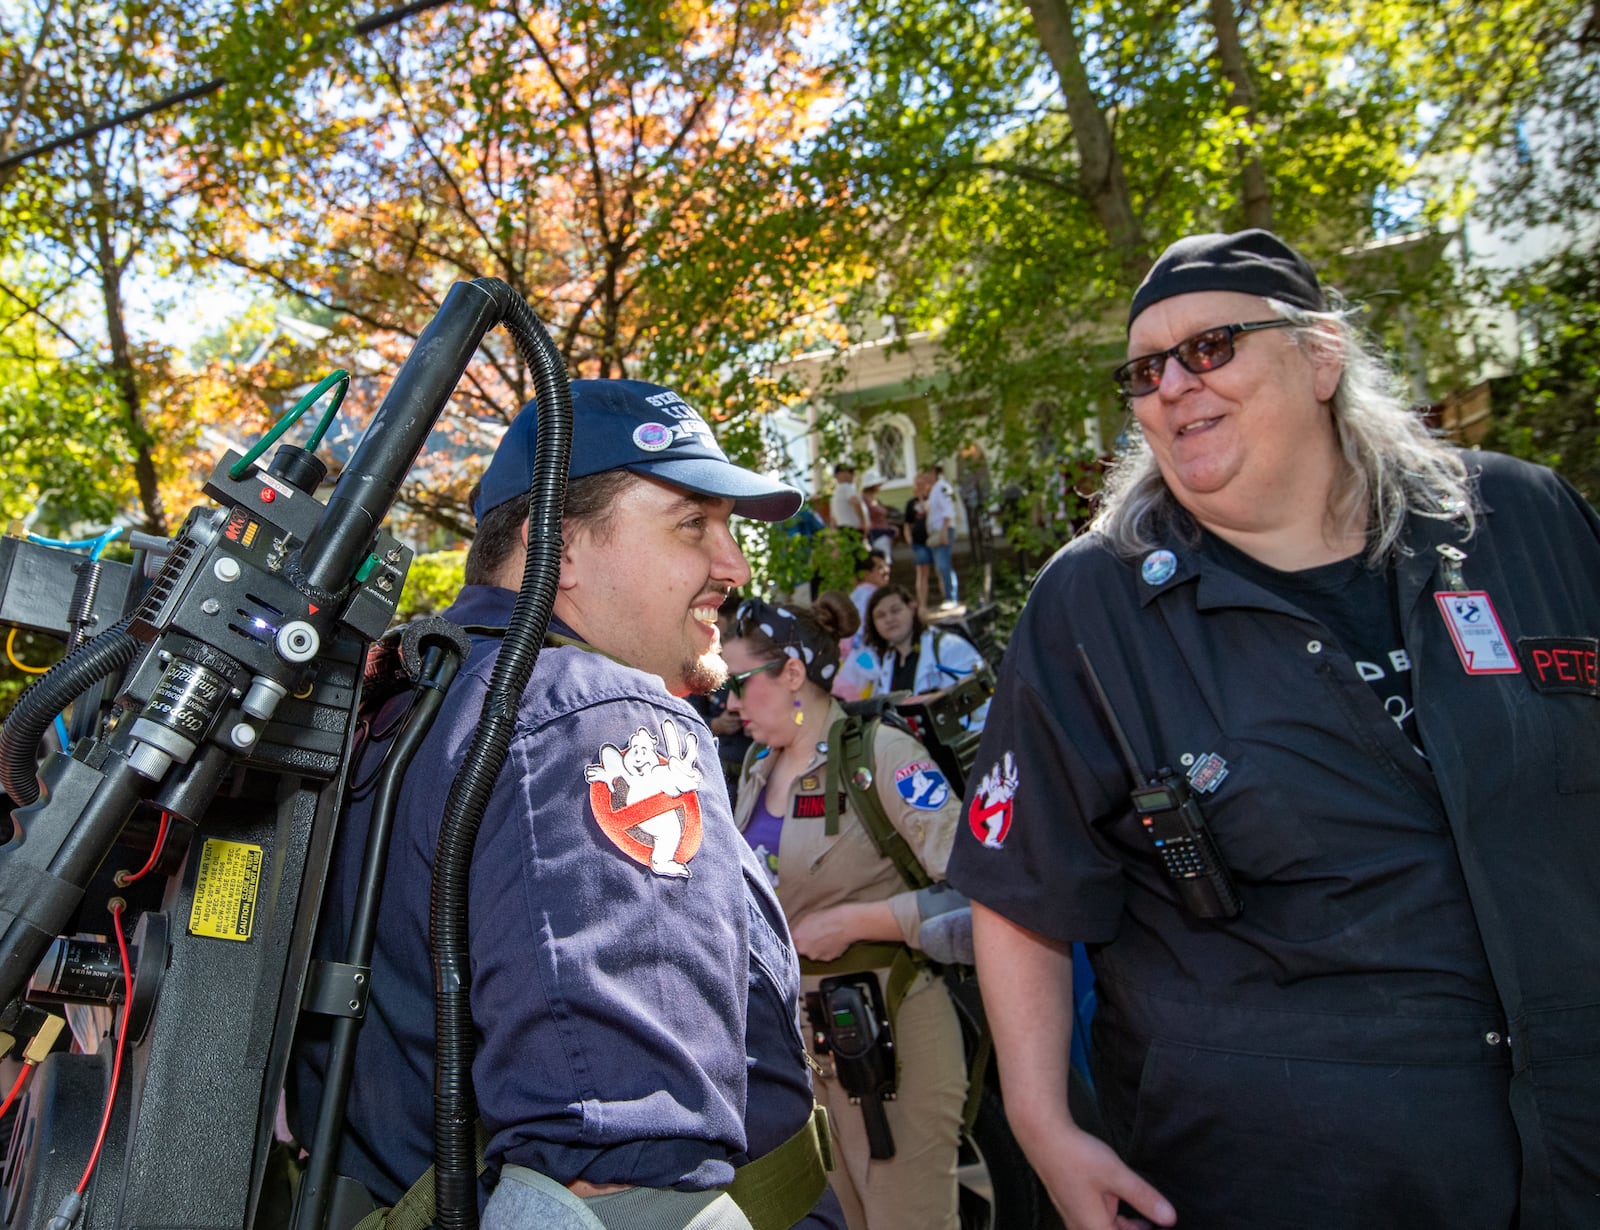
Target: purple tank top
[763, 833]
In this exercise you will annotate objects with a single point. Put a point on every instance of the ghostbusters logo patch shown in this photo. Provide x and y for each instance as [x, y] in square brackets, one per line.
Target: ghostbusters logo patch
[990, 814]
[922, 785]
[644, 797]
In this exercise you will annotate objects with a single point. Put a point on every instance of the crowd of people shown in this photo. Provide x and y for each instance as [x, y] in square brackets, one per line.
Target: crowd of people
[1294, 745]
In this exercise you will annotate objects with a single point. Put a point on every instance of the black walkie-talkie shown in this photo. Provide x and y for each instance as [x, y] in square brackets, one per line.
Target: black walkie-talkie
[862, 1046]
[1171, 818]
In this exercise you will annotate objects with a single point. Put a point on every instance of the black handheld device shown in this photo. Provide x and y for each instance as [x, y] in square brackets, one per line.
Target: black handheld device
[1171, 818]
[855, 1030]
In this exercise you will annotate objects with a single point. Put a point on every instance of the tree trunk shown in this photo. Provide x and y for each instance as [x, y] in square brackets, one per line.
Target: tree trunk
[1100, 168]
[123, 375]
[1257, 192]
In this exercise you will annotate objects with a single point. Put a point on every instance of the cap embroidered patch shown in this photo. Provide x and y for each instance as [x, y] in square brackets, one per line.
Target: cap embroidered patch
[643, 795]
[922, 785]
[990, 814]
[1158, 567]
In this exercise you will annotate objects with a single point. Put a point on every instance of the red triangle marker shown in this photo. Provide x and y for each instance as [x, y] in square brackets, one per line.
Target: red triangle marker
[312, 608]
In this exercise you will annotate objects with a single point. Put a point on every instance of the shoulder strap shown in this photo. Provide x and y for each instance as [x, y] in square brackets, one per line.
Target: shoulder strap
[850, 758]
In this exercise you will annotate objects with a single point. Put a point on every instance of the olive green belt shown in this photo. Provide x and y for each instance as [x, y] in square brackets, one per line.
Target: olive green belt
[774, 1191]
[779, 1188]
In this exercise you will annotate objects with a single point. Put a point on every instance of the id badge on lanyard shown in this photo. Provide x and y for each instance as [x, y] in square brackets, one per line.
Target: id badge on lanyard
[1474, 625]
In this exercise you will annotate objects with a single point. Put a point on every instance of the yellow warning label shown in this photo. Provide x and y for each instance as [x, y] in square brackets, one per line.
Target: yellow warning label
[225, 890]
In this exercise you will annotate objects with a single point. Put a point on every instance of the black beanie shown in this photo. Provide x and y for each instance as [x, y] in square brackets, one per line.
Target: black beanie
[1252, 262]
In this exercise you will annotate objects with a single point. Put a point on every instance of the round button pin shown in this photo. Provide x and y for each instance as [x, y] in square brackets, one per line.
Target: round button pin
[1158, 567]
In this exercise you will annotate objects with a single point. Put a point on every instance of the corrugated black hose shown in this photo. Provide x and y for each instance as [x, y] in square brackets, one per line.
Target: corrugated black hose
[455, 1106]
[50, 694]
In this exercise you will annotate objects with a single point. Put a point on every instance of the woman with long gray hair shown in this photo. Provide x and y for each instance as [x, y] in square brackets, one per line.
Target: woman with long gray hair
[1300, 741]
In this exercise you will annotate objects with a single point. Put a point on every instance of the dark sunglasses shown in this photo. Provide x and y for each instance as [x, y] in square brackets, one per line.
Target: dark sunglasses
[1204, 352]
[736, 682]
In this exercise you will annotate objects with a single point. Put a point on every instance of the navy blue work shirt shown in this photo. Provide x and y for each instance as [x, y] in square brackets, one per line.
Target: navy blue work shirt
[623, 1007]
[1402, 1027]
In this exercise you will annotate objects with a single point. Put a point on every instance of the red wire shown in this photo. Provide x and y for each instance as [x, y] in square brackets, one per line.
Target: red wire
[161, 840]
[22, 1079]
[122, 1036]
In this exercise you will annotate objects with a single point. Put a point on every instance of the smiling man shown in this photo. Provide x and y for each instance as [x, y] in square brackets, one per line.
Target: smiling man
[1342, 902]
[634, 989]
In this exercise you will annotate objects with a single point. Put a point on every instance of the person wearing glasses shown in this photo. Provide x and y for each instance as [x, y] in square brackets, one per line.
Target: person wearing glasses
[1299, 740]
[849, 904]
[634, 992]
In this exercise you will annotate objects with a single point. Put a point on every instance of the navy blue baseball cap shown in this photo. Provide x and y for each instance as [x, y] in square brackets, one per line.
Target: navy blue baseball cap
[631, 425]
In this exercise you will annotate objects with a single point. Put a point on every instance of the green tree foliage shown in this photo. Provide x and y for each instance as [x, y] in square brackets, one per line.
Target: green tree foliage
[105, 411]
[976, 134]
[432, 583]
[622, 165]
[695, 192]
[1546, 171]
[61, 431]
[788, 557]
[1549, 410]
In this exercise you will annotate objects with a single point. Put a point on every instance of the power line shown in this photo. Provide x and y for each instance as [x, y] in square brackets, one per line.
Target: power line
[376, 22]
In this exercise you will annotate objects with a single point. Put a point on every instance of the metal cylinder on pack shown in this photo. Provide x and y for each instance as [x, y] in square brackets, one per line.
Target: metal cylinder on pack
[185, 701]
[79, 972]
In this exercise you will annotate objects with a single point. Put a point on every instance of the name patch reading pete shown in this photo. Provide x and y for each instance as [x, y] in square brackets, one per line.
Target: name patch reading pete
[1562, 663]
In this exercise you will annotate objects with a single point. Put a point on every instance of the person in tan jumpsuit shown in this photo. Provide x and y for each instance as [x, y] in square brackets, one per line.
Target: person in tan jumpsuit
[846, 903]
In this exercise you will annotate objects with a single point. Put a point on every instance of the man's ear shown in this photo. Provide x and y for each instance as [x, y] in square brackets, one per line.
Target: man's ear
[573, 541]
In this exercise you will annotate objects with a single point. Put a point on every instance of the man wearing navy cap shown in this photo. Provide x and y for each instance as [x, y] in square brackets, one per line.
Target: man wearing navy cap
[634, 989]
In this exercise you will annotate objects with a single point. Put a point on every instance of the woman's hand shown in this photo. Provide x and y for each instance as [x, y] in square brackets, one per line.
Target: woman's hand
[827, 933]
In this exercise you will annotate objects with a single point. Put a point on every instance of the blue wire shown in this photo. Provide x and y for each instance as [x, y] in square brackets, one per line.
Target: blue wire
[61, 733]
[96, 545]
[104, 541]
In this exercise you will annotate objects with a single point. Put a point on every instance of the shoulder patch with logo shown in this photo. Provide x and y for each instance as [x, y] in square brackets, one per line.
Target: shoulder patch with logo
[644, 795]
[922, 785]
[989, 817]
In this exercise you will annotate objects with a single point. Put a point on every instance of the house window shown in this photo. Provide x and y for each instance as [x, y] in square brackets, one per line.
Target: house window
[891, 450]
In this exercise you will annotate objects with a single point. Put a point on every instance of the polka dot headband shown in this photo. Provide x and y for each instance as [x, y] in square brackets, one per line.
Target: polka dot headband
[787, 634]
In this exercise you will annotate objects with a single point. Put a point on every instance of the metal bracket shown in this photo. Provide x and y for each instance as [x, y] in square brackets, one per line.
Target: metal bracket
[336, 989]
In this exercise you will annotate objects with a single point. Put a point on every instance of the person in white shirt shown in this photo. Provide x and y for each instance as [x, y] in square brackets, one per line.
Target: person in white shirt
[942, 533]
[848, 508]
